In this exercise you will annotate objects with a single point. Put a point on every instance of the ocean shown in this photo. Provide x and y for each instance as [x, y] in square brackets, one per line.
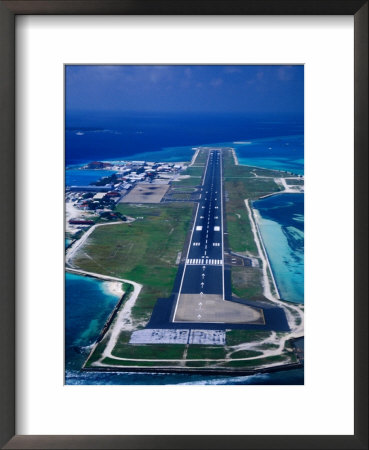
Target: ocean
[107, 136]
[274, 143]
[88, 304]
[78, 177]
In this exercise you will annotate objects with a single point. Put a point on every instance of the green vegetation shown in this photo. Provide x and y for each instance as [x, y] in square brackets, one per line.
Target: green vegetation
[185, 196]
[247, 282]
[295, 182]
[240, 183]
[144, 251]
[194, 171]
[206, 352]
[149, 351]
[236, 337]
[240, 236]
[245, 354]
[201, 158]
[256, 362]
[198, 364]
[188, 182]
[122, 363]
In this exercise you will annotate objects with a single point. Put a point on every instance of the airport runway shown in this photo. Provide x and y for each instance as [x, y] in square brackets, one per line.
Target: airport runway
[204, 268]
[201, 296]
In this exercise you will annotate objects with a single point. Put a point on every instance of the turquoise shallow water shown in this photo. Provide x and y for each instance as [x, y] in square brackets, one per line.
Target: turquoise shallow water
[77, 177]
[281, 222]
[278, 152]
[88, 304]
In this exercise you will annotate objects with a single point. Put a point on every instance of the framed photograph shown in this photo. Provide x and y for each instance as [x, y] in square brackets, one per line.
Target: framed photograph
[189, 224]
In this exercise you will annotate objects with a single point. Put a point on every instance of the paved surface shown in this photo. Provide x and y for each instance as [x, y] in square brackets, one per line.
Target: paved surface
[146, 193]
[201, 296]
[178, 336]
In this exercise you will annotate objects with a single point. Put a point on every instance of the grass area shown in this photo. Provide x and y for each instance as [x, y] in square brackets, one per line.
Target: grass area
[245, 354]
[236, 337]
[296, 182]
[206, 352]
[239, 184]
[240, 236]
[121, 363]
[194, 171]
[247, 282]
[255, 363]
[201, 158]
[188, 182]
[180, 196]
[149, 351]
[144, 251]
[97, 353]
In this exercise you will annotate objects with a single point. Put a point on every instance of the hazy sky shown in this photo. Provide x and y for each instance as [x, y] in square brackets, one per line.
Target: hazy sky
[247, 89]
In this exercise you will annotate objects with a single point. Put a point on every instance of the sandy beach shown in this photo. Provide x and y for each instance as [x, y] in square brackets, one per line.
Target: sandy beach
[194, 157]
[235, 157]
[114, 288]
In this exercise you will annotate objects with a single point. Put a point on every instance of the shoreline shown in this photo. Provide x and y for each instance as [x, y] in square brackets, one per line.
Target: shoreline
[194, 157]
[198, 371]
[98, 276]
[280, 193]
[235, 157]
[262, 253]
[256, 218]
[113, 288]
[237, 163]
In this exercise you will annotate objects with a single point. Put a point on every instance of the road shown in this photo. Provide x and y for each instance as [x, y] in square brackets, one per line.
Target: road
[201, 296]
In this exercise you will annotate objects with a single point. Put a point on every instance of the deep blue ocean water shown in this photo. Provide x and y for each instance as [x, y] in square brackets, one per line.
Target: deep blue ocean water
[275, 143]
[281, 223]
[95, 136]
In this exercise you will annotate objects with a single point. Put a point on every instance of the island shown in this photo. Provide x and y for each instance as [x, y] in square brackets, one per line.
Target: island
[183, 242]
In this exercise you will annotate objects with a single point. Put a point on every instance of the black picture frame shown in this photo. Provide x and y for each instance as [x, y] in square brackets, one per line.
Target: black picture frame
[8, 11]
